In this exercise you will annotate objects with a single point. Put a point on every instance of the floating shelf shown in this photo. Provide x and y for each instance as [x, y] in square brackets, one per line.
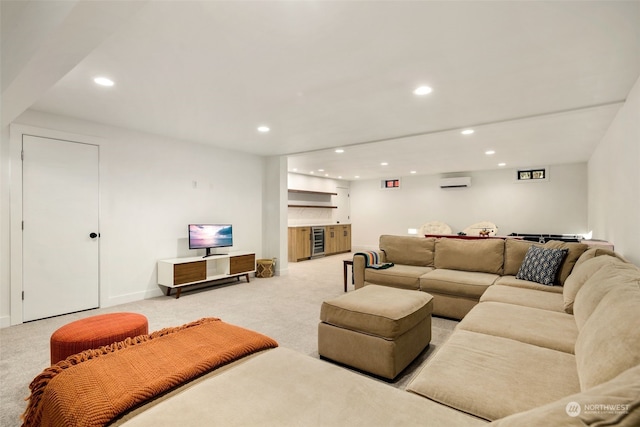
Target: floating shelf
[313, 206]
[312, 192]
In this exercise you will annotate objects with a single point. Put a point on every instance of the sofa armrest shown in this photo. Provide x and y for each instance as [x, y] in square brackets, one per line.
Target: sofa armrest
[359, 265]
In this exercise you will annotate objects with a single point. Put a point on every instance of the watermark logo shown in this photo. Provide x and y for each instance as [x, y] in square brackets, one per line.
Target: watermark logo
[573, 409]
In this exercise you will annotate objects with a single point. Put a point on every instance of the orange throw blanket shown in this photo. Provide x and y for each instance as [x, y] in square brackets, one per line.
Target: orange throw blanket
[95, 387]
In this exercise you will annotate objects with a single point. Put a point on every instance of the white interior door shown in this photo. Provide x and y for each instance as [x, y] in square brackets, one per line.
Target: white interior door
[60, 185]
[343, 213]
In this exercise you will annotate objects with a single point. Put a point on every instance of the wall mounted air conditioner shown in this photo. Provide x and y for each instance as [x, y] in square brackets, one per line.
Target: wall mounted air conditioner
[458, 182]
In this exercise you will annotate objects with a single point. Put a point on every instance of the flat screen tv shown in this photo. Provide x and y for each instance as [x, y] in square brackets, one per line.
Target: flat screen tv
[210, 236]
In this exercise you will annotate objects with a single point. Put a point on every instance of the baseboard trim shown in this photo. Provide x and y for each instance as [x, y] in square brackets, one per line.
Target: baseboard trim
[132, 297]
[5, 321]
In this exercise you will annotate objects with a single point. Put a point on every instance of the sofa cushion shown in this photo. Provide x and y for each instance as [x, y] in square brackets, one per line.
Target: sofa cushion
[398, 276]
[515, 251]
[551, 301]
[616, 402]
[609, 341]
[598, 285]
[408, 250]
[378, 310]
[549, 329]
[452, 306]
[527, 284]
[580, 274]
[468, 284]
[493, 377]
[541, 264]
[574, 251]
[596, 252]
[282, 387]
[481, 255]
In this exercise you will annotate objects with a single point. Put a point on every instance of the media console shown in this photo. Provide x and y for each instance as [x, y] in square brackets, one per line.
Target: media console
[177, 273]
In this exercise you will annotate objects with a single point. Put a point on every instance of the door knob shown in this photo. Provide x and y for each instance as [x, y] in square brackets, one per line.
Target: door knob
[94, 235]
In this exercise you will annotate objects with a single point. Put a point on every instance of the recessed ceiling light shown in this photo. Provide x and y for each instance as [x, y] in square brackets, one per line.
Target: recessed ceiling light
[412, 172]
[263, 129]
[339, 150]
[295, 169]
[384, 164]
[502, 164]
[339, 176]
[490, 152]
[326, 174]
[320, 170]
[357, 176]
[422, 90]
[467, 131]
[103, 81]
[311, 172]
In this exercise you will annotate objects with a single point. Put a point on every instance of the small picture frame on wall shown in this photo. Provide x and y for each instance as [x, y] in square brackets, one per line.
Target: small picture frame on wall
[532, 175]
[524, 175]
[388, 184]
[537, 174]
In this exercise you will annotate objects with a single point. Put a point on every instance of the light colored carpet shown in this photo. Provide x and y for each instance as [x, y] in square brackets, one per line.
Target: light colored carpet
[286, 308]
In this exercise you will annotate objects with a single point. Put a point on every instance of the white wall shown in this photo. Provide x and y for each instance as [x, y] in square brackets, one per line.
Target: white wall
[5, 221]
[315, 216]
[556, 206]
[151, 188]
[614, 181]
[274, 224]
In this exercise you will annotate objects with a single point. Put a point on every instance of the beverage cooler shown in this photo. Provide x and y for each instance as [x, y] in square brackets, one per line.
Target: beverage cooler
[317, 242]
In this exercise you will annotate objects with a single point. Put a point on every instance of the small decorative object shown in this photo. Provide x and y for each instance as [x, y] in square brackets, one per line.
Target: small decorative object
[482, 229]
[390, 183]
[524, 175]
[531, 174]
[265, 268]
[461, 233]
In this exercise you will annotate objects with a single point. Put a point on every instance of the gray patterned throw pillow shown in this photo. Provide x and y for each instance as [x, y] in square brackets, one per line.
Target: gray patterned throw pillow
[541, 264]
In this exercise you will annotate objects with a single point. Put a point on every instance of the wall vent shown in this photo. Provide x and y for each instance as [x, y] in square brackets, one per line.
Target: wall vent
[458, 182]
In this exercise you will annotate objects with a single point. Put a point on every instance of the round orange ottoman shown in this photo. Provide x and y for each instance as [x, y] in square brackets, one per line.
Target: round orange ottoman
[95, 332]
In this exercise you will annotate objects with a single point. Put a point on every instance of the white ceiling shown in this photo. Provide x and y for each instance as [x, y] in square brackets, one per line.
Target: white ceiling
[539, 82]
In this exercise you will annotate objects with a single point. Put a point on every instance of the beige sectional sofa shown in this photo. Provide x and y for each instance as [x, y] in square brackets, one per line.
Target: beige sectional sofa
[522, 356]
[457, 272]
[526, 353]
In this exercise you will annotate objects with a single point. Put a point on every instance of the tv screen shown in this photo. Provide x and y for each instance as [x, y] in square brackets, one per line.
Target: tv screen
[207, 236]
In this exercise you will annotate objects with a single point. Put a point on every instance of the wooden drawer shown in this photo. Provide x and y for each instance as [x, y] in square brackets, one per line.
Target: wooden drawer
[189, 272]
[242, 264]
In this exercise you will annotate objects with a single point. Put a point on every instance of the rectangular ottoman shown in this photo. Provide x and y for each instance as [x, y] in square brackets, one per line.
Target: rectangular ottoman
[376, 329]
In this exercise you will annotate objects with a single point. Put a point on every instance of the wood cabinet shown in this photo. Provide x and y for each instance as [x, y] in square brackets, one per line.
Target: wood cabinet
[344, 238]
[179, 272]
[299, 243]
[189, 272]
[241, 264]
[330, 239]
[337, 239]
